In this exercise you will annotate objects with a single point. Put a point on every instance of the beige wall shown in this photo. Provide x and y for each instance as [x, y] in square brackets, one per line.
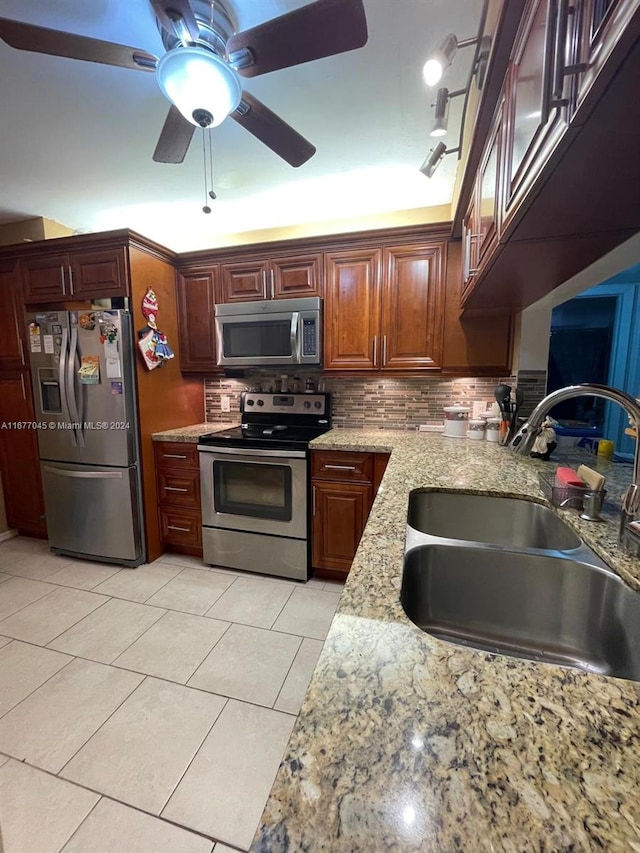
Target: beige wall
[396, 219]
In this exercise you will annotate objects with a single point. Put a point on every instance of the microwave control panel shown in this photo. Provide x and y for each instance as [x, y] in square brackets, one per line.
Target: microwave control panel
[309, 337]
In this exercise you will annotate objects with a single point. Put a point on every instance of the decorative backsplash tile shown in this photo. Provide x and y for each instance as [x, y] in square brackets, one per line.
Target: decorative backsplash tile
[383, 403]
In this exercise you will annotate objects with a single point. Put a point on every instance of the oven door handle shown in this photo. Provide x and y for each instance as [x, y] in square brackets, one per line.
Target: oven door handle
[259, 455]
[295, 340]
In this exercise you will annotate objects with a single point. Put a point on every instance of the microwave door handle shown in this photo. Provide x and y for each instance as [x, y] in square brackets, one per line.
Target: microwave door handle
[295, 340]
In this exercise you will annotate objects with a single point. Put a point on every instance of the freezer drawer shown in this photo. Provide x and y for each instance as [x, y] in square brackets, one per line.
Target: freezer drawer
[93, 512]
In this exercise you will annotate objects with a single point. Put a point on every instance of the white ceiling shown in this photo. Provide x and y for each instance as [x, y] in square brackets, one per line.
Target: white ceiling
[76, 138]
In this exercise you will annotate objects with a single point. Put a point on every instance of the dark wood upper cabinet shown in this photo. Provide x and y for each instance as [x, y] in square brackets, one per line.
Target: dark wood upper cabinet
[412, 307]
[75, 275]
[197, 294]
[244, 281]
[12, 333]
[352, 309]
[536, 121]
[98, 274]
[488, 192]
[271, 278]
[297, 276]
[384, 308]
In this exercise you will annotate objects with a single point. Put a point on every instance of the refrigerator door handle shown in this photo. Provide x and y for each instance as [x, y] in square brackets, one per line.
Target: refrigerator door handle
[84, 475]
[71, 386]
[62, 364]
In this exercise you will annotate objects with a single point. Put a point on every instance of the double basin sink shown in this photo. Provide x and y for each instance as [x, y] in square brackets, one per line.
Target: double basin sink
[507, 575]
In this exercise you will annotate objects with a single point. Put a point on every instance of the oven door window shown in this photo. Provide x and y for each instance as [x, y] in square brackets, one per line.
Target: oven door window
[250, 489]
[257, 339]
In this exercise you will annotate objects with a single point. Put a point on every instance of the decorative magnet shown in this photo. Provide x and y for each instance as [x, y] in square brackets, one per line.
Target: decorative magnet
[150, 308]
[89, 371]
[87, 321]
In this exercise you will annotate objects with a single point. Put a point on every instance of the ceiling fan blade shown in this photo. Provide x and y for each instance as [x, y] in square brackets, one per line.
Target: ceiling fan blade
[58, 43]
[323, 28]
[177, 17]
[269, 128]
[175, 138]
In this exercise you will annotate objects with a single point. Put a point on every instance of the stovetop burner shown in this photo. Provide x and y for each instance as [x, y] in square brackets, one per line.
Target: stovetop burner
[276, 421]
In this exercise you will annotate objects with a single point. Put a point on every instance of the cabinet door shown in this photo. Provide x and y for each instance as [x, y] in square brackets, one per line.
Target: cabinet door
[535, 126]
[352, 310]
[46, 279]
[19, 458]
[413, 307]
[297, 276]
[244, 282]
[602, 25]
[196, 294]
[470, 226]
[489, 193]
[98, 274]
[12, 348]
[340, 512]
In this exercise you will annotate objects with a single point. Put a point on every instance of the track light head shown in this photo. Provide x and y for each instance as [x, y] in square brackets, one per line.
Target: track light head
[433, 160]
[440, 60]
[441, 118]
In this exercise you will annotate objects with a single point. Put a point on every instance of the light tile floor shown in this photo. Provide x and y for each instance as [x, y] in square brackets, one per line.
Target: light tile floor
[146, 710]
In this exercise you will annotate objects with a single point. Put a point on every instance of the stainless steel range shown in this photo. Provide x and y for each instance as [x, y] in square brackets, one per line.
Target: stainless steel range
[255, 485]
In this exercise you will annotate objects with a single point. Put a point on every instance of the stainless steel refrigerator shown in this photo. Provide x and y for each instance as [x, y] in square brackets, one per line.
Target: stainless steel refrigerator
[83, 372]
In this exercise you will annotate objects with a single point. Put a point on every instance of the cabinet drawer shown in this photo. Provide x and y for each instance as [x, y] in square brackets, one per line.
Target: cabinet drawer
[178, 488]
[342, 465]
[181, 527]
[176, 454]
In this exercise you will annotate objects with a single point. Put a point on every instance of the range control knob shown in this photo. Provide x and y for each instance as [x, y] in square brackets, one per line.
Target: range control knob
[307, 404]
[249, 402]
[260, 402]
[318, 404]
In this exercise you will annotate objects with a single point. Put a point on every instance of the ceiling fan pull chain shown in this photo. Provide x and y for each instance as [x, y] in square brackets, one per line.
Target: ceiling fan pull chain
[205, 207]
[211, 192]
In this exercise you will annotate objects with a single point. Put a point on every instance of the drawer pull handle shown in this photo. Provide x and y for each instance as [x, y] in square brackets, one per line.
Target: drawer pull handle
[181, 529]
[341, 467]
[174, 489]
[174, 456]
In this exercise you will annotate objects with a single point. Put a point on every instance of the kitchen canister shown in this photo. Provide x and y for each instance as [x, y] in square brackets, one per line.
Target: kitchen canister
[477, 429]
[456, 420]
[493, 429]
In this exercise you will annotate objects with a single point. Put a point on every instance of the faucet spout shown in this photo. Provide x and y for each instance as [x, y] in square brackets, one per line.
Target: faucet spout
[523, 440]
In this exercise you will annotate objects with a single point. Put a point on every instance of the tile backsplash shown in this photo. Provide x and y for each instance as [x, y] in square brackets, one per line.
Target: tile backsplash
[378, 403]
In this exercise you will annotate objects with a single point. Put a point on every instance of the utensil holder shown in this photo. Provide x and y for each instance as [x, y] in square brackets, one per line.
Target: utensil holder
[567, 496]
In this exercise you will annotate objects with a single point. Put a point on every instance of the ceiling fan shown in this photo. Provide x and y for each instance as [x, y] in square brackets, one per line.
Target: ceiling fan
[200, 73]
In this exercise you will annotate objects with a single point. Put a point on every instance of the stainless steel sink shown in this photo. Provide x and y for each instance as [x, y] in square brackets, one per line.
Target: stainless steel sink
[528, 605]
[511, 522]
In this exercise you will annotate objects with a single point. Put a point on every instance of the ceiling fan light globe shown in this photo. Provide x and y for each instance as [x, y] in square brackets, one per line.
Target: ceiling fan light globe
[195, 79]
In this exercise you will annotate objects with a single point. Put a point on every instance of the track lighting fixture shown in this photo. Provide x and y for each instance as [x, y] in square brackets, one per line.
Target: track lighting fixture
[434, 159]
[441, 118]
[442, 58]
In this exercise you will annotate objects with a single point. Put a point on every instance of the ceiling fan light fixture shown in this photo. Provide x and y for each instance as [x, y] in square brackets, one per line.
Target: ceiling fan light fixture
[198, 82]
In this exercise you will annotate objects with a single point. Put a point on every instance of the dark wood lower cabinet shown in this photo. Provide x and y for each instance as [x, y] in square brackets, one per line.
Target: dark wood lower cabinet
[178, 487]
[19, 458]
[344, 488]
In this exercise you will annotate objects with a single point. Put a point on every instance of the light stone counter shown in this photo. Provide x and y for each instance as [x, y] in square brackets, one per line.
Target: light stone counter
[405, 742]
[191, 433]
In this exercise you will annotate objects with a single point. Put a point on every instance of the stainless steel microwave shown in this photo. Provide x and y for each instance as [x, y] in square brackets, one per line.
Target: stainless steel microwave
[276, 332]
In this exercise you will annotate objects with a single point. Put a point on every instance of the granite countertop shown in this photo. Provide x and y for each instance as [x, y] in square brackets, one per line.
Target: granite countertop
[406, 742]
[192, 433]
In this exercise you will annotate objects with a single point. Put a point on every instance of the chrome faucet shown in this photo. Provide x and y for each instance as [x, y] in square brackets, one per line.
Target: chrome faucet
[523, 440]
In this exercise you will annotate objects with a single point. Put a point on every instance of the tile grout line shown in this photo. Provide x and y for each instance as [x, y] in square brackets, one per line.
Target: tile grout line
[53, 674]
[273, 707]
